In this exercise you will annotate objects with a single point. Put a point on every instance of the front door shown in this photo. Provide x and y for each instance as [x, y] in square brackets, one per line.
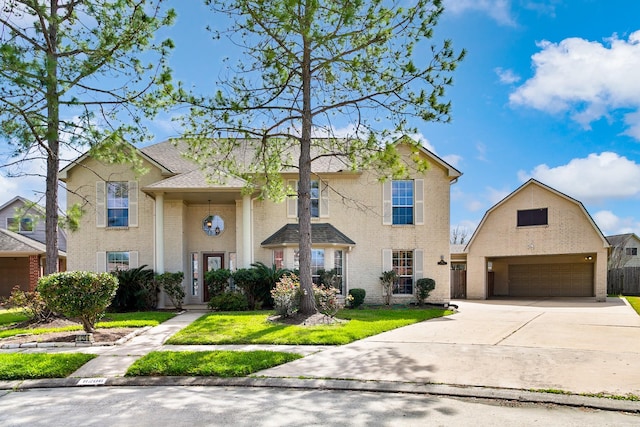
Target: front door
[211, 261]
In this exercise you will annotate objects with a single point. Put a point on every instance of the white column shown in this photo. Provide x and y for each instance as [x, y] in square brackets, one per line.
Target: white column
[246, 231]
[159, 237]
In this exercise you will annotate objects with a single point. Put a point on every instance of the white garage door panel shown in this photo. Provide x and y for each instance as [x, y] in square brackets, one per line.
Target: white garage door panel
[551, 280]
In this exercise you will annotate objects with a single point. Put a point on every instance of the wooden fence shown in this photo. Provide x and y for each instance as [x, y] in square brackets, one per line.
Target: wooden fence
[458, 284]
[623, 281]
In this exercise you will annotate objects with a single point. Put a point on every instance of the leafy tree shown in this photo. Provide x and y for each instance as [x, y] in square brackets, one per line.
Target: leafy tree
[71, 72]
[309, 63]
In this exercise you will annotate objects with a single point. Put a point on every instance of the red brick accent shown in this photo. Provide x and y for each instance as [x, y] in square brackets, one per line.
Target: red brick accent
[34, 271]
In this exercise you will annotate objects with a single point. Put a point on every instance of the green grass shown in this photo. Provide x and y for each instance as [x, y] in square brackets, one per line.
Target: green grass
[111, 320]
[11, 317]
[635, 303]
[207, 363]
[254, 328]
[19, 366]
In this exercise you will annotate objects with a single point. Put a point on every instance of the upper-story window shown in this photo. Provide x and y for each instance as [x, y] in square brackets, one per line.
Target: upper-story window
[631, 251]
[402, 201]
[22, 225]
[530, 217]
[319, 203]
[117, 204]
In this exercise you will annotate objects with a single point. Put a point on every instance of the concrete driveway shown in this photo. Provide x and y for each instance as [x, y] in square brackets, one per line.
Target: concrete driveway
[570, 344]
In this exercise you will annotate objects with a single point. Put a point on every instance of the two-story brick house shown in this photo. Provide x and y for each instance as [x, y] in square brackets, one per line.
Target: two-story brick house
[174, 219]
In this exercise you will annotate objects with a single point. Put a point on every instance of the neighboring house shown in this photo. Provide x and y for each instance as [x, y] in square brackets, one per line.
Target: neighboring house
[173, 219]
[22, 245]
[624, 251]
[537, 242]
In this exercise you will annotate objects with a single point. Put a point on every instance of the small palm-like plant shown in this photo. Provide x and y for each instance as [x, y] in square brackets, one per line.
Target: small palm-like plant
[388, 280]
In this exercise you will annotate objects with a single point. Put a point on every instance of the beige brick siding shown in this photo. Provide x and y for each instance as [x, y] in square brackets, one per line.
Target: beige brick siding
[355, 208]
[568, 236]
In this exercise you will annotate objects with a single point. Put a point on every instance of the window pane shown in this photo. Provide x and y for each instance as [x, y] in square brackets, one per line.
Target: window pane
[402, 201]
[278, 258]
[402, 263]
[117, 204]
[531, 217]
[317, 263]
[117, 261]
[315, 199]
[338, 266]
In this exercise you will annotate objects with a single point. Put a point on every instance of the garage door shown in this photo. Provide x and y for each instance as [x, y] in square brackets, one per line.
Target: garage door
[551, 280]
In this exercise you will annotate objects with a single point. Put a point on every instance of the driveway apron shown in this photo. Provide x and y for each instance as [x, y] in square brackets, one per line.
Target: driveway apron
[575, 345]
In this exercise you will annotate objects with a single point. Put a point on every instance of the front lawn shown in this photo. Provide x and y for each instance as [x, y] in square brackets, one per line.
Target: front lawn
[11, 317]
[207, 363]
[254, 328]
[635, 303]
[19, 366]
[137, 319]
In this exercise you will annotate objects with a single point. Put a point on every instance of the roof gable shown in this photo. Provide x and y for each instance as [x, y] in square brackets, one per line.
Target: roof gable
[522, 188]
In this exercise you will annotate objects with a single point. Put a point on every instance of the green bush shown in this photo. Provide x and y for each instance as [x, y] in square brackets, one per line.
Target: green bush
[267, 278]
[424, 287]
[388, 281]
[326, 299]
[358, 295]
[217, 281]
[79, 294]
[30, 303]
[286, 295]
[229, 301]
[137, 291]
[247, 280]
[171, 283]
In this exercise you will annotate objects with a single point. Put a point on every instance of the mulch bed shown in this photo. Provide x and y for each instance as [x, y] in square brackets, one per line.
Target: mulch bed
[109, 335]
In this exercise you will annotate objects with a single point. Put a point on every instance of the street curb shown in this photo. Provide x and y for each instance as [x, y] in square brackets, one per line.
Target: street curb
[523, 396]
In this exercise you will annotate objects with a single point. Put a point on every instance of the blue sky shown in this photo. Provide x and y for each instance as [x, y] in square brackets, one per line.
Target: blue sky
[550, 89]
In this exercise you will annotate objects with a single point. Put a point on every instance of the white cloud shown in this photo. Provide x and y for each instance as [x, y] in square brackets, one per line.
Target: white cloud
[495, 195]
[498, 10]
[482, 151]
[474, 205]
[611, 224]
[592, 179]
[507, 77]
[586, 79]
[453, 159]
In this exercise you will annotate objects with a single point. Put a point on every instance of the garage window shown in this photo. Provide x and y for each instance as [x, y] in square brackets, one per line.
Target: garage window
[530, 217]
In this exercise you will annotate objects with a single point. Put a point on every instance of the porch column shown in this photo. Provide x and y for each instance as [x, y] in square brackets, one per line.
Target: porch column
[246, 231]
[159, 233]
[159, 237]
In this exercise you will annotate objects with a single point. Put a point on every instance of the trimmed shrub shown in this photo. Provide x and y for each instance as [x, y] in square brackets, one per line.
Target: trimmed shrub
[247, 280]
[229, 301]
[30, 303]
[79, 294]
[358, 295]
[217, 281]
[424, 287]
[388, 281]
[171, 283]
[286, 295]
[136, 290]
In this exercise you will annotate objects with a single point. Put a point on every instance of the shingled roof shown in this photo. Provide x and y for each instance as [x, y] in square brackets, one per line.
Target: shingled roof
[321, 234]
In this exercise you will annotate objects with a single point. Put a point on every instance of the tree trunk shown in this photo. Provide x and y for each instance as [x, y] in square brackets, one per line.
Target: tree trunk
[307, 301]
[53, 160]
